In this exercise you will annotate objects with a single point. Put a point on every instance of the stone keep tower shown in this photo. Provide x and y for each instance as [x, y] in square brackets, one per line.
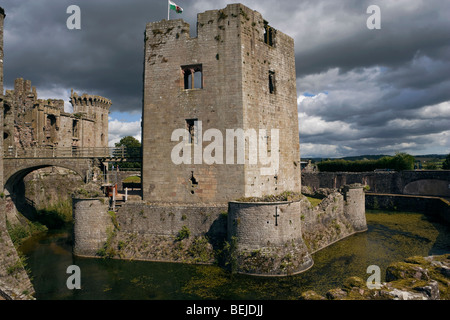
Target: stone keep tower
[2, 18]
[237, 74]
[95, 108]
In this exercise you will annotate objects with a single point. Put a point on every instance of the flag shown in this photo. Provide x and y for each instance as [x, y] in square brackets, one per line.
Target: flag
[175, 7]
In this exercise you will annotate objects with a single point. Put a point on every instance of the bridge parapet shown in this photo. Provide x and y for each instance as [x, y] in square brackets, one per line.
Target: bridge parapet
[118, 153]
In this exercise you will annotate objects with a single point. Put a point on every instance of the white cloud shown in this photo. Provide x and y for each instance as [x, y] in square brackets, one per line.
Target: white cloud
[119, 129]
[440, 110]
[314, 125]
[308, 150]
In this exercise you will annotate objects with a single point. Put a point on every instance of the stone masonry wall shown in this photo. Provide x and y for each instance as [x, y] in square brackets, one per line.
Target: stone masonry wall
[14, 281]
[377, 181]
[337, 216]
[2, 18]
[167, 106]
[266, 109]
[434, 206]
[417, 182]
[268, 238]
[172, 233]
[92, 225]
[167, 220]
[234, 94]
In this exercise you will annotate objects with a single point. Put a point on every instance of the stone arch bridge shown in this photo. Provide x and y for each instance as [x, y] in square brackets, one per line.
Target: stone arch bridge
[411, 182]
[20, 162]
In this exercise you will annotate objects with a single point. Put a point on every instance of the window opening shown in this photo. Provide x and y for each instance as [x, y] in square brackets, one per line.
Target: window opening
[190, 127]
[269, 34]
[272, 82]
[75, 128]
[192, 77]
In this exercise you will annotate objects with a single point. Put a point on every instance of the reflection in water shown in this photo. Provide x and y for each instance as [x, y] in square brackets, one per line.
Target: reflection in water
[390, 237]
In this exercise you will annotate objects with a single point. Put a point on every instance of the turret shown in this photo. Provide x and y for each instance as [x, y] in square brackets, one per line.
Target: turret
[95, 108]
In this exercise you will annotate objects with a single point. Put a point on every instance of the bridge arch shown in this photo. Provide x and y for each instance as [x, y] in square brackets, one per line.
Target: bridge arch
[15, 186]
[15, 170]
[17, 177]
[428, 187]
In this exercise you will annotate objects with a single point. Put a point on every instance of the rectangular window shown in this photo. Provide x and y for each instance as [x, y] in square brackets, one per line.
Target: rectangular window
[75, 129]
[192, 76]
[269, 34]
[190, 127]
[271, 82]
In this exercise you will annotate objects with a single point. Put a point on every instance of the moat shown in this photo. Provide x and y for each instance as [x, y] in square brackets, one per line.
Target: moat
[391, 237]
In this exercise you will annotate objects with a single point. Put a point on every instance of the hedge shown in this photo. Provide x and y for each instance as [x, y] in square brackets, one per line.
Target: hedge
[399, 162]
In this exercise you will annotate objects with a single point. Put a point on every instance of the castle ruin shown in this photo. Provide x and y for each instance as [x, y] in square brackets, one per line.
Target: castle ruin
[236, 76]
[221, 156]
[29, 122]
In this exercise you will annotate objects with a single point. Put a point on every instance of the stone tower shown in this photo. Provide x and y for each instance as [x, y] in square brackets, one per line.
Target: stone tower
[2, 18]
[95, 108]
[219, 110]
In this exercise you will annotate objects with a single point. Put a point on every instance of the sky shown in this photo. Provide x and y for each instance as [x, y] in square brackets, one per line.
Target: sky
[360, 90]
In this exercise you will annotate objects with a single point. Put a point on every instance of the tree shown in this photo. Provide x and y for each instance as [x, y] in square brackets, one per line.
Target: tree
[132, 149]
[403, 161]
[128, 142]
[446, 163]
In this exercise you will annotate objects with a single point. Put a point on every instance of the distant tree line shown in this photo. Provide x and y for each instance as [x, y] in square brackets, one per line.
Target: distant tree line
[446, 163]
[399, 162]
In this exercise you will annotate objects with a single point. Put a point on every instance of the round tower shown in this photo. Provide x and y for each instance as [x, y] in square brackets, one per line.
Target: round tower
[267, 238]
[95, 108]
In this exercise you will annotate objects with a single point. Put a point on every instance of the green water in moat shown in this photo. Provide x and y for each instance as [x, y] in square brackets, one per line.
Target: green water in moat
[390, 237]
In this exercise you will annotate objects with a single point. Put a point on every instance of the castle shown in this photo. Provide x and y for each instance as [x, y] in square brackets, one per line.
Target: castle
[29, 122]
[221, 159]
[220, 152]
[236, 80]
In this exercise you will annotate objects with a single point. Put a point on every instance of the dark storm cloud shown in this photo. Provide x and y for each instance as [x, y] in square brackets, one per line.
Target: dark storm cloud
[105, 57]
[372, 90]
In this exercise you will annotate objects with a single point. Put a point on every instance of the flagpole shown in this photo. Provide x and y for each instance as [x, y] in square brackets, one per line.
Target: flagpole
[168, 10]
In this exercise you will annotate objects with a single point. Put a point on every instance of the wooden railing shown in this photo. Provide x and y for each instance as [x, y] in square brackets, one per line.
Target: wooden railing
[74, 152]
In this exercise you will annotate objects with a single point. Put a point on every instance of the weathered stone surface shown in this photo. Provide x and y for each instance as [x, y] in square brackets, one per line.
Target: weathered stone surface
[415, 278]
[336, 294]
[311, 295]
[268, 237]
[413, 182]
[14, 281]
[235, 93]
[31, 122]
[337, 216]
[93, 225]
[402, 270]
[435, 206]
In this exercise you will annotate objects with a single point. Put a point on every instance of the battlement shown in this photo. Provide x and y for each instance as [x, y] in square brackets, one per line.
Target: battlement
[57, 104]
[89, 100]
[212, 24]
[23, 89]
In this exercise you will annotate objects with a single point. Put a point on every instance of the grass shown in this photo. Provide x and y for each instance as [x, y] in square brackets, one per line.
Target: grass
[314, 201]
[134, 179]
